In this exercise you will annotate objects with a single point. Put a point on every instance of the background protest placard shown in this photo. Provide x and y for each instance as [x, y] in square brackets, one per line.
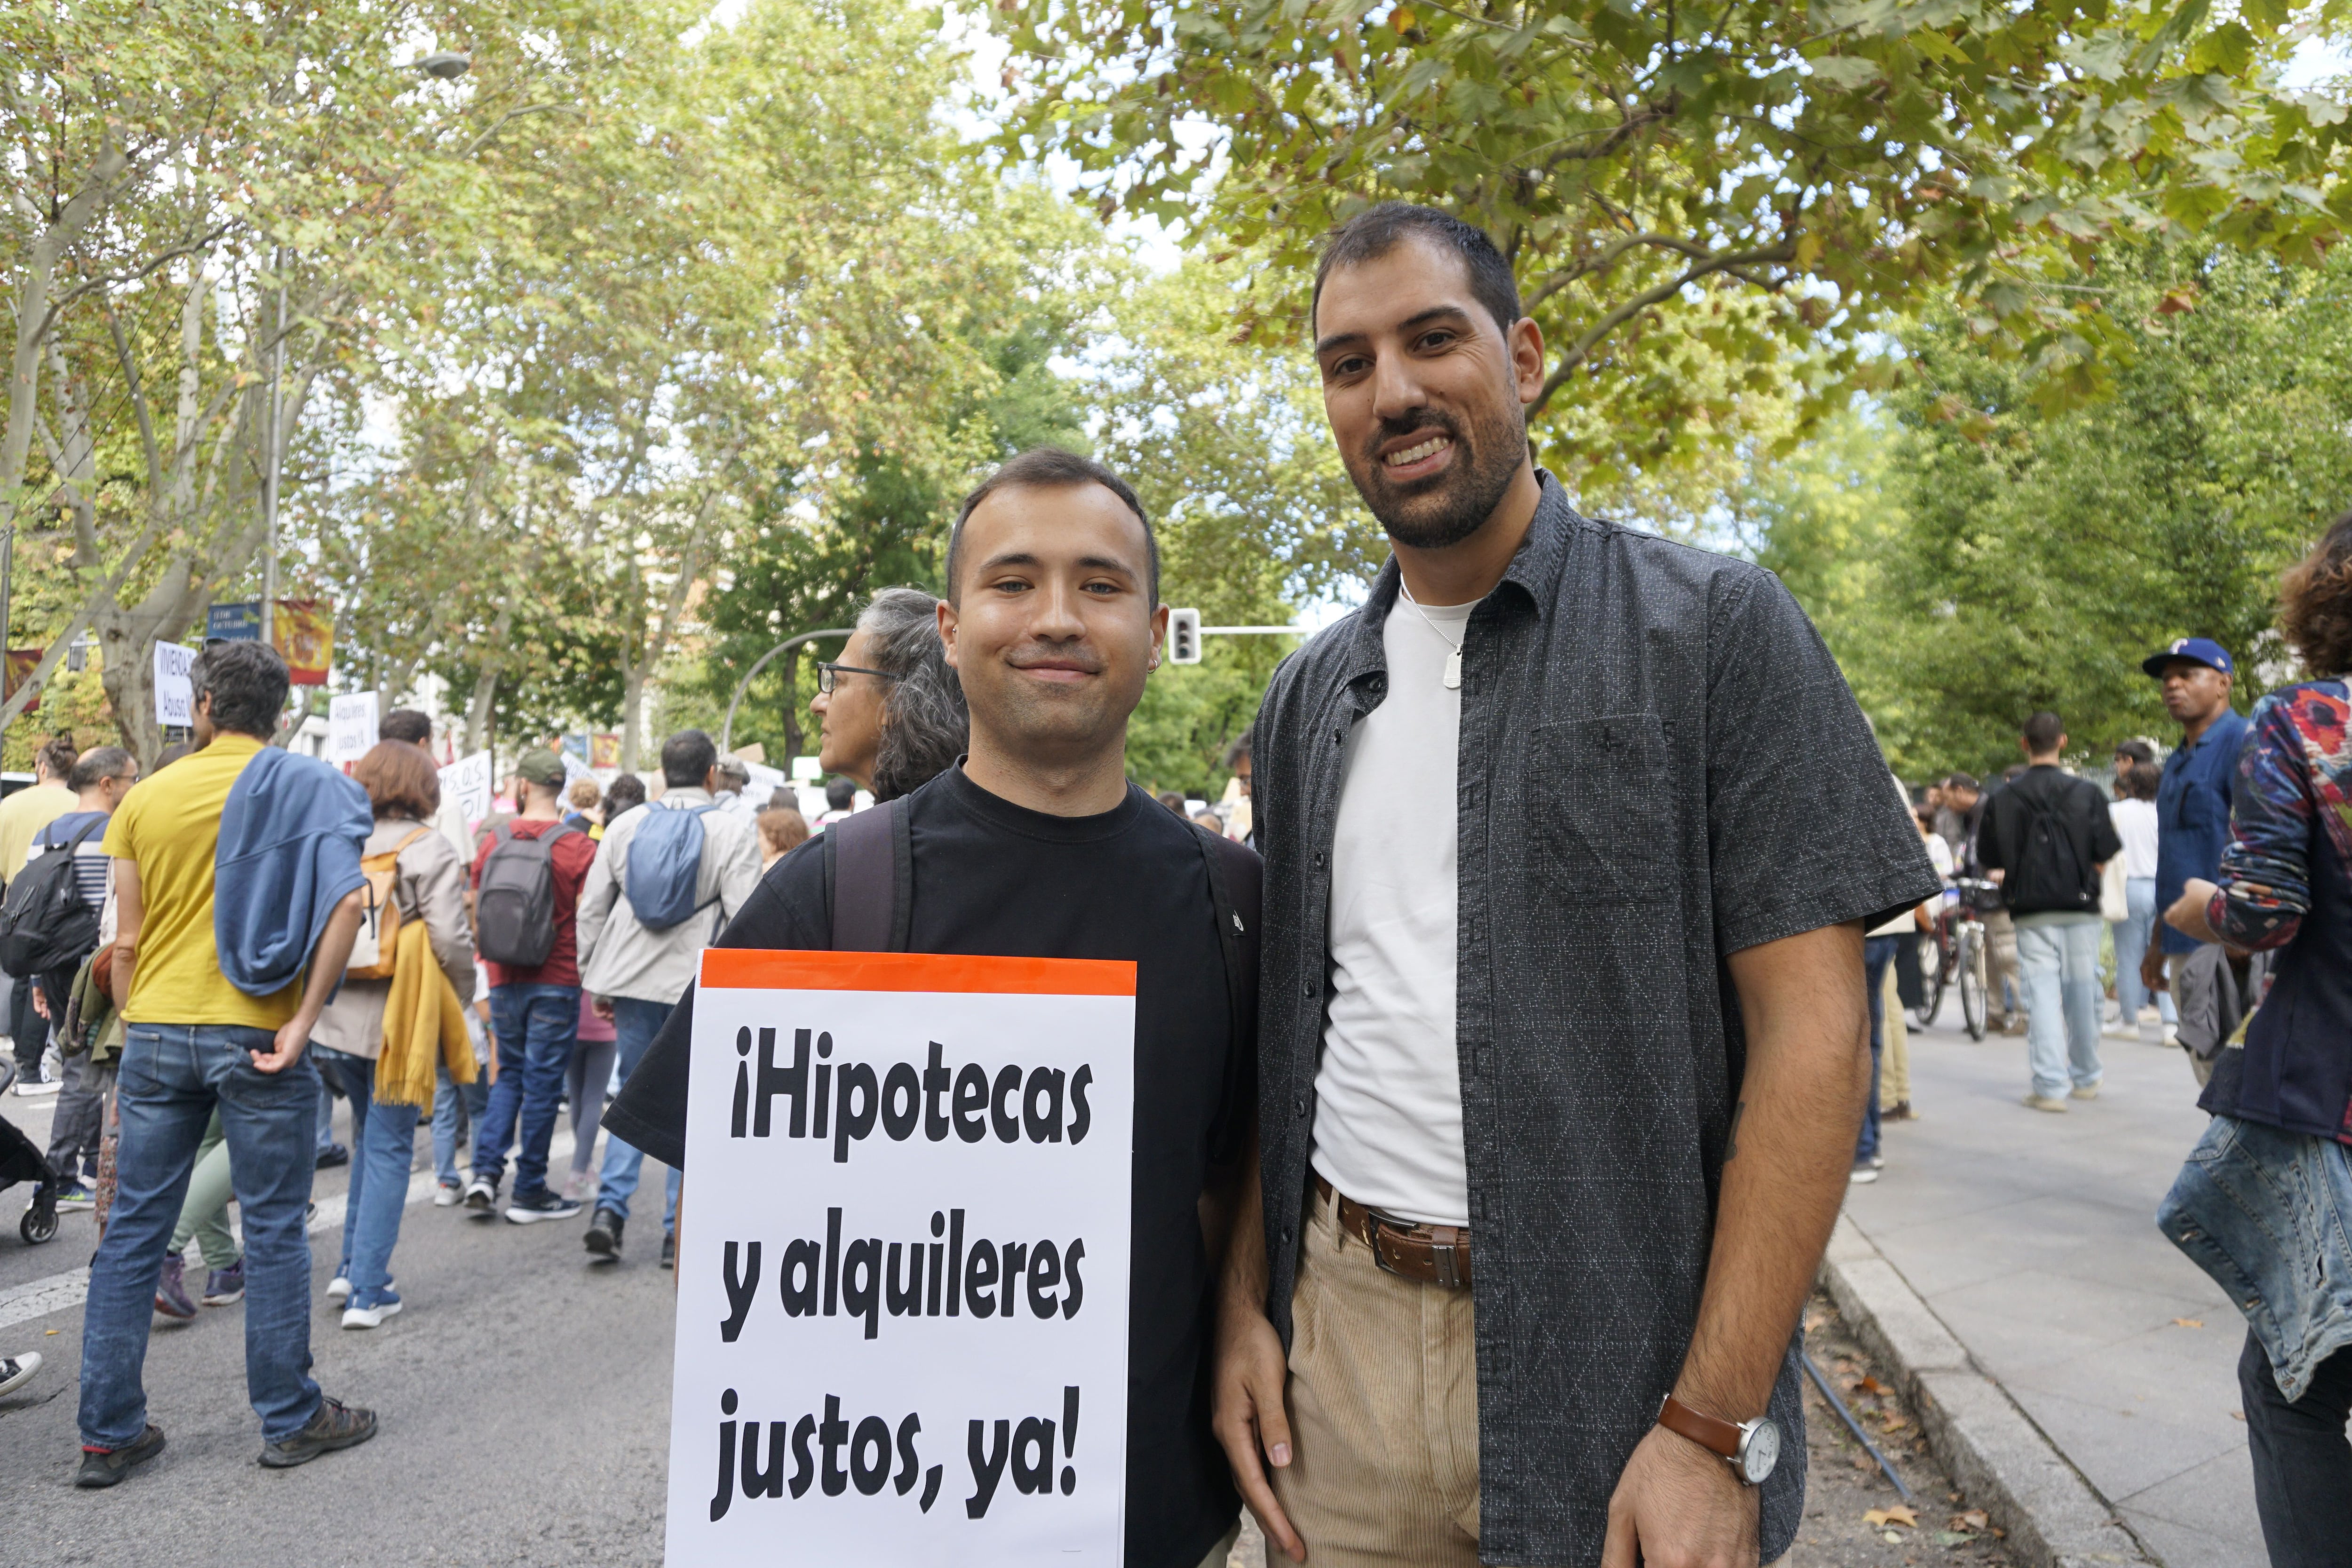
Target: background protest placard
[467, 781]
[903, 1262]
[350, 727]
[175, 698]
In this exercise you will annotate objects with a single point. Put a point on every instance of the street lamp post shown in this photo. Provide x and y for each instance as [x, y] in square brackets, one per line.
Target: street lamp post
[726, 731]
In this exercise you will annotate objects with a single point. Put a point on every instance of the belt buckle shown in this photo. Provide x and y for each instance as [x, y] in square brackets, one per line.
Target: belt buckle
[1444, 1256]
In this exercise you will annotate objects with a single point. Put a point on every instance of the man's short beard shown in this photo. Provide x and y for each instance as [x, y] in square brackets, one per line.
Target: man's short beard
[1462, 499]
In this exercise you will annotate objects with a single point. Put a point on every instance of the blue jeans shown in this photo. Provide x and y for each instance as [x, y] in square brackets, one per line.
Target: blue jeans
[535, 1025]
[356, 1076]
[172, 1076]
[2131, 942]
[371, 1223]
[1877, 952]
[447, 1096]
[2058, 954]
[636, 1024]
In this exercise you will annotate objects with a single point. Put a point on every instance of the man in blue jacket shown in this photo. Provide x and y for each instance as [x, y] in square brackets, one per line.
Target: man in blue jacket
[197, 1041]
[2192, 801]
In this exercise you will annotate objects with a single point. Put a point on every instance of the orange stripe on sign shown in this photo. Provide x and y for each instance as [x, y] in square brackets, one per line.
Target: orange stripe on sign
[767, 969]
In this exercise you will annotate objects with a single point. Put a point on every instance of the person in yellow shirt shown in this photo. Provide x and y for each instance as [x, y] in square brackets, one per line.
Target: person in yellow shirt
[193, 1043]
[22, 816]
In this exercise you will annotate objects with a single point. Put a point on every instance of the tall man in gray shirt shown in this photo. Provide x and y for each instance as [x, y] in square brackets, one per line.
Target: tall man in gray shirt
[1571, 835]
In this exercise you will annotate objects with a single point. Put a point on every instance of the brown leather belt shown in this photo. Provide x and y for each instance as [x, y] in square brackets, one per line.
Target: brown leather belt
[1436, 1254]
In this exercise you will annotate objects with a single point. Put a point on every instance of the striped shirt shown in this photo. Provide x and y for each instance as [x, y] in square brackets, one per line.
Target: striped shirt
[91, 865]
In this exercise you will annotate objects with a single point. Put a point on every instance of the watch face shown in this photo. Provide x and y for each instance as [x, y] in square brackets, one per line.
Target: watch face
[1761, 1452]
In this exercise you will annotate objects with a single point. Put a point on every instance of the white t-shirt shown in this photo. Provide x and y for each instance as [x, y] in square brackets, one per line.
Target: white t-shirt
[1387, 1118]
[2134, 823]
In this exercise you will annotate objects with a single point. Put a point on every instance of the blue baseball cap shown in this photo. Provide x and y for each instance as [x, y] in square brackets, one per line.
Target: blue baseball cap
[2203, 650]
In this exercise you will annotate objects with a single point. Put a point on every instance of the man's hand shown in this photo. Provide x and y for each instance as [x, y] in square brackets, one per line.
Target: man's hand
[41, 1000]
[1247, 1415]
[292, 1036]
[1679, 1506]
[602, 1006]
[2151, 964]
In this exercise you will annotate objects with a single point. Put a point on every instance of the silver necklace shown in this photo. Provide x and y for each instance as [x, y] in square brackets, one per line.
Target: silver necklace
[1453, 648]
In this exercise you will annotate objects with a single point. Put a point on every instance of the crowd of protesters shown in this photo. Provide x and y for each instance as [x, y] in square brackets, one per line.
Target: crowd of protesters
[1573, 894]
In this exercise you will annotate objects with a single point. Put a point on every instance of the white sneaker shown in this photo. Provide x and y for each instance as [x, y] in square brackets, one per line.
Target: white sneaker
[15, 1372]
[339, 1288]
[445, 1195]
[370, 1317]
[31, 1090]
[2045, 1102]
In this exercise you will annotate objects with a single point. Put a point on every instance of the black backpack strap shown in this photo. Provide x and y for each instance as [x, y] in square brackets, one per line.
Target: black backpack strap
[869, 879]
[1237, 889]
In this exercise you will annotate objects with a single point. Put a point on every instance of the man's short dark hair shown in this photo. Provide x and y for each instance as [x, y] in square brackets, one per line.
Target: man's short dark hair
[56, 756]
[1372, 234]
[2137, 750]
[1050, 469]
[687, 758]
[2043, 732]
[248, 684]
[840, 793]
[97, 765]
[405, 724]
[1961, 781]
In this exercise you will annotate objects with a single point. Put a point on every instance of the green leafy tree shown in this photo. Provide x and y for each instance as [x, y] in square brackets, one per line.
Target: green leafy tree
[1971, 557]
[1704, 205]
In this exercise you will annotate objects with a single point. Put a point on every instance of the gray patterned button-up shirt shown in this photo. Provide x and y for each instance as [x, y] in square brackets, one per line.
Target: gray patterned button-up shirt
[1660, 765]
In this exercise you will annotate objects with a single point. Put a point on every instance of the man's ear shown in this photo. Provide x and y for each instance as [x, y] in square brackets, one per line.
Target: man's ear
[947, 613]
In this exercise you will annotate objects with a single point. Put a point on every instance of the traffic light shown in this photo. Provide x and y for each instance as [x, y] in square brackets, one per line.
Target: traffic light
[1183, 636]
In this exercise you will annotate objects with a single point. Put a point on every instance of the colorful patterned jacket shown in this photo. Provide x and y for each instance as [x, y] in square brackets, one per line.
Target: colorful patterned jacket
[2286, 884]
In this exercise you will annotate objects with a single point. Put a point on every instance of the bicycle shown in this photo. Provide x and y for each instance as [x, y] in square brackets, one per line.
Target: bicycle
[1969, 961]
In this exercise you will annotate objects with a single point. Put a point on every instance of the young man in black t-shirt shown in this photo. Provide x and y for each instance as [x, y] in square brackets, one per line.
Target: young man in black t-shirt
[1036, 846]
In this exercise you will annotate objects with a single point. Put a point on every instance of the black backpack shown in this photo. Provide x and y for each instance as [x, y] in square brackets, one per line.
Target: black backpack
[46, 924]
[514, 908]
[2048, 870]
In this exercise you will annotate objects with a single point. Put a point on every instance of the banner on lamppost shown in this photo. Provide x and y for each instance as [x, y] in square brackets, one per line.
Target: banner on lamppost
[233, 623]
[22, 662]
[902, 1300]
[305, 639]
[350, 727]
[175, 698]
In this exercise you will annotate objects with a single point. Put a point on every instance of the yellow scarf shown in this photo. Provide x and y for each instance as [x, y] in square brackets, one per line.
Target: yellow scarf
[423, 1022]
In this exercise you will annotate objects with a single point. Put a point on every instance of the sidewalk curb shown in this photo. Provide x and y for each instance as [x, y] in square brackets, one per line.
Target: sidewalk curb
[2052, 1517]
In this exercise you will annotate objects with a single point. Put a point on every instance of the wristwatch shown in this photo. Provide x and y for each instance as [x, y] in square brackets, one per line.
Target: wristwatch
[1750, 1448]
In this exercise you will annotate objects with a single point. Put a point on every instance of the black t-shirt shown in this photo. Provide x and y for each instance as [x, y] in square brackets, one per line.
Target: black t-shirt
[991, 878]
[2058, 874]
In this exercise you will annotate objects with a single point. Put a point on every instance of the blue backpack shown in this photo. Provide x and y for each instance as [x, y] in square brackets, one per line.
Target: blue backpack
[665, 863]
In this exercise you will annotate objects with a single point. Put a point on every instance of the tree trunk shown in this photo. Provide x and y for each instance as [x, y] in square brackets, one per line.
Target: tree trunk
[633, 702]
[791, 706]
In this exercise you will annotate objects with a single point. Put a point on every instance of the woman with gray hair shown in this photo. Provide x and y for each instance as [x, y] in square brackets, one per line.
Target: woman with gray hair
[890, 713]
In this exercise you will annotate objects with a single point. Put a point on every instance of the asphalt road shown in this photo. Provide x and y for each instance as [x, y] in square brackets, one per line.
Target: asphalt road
[523, 1396]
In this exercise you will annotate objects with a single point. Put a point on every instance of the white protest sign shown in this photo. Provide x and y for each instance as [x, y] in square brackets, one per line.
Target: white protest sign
[175, 698]
[902, 1295]
[350, 727]
[468, 782]
[762, 788]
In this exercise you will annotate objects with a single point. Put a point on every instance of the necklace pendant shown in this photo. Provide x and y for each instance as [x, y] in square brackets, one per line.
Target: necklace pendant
[1454, 671]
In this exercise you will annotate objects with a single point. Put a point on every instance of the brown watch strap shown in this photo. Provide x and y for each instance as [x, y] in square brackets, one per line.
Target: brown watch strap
[1719, 1436]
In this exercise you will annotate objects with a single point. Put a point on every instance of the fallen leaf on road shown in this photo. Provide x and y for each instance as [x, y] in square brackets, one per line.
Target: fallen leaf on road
[2187, 1322]
[1896, 1423]
[1974, 1518]
[1871, 1385]
[1892, 1538]
[1899, 1513]
[1814, 1320]
[1865, 1462]
[1953, 1538]
[2234, 1415]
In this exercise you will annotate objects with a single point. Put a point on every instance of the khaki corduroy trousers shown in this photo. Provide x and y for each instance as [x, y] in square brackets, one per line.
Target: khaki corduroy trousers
[1383, 1412]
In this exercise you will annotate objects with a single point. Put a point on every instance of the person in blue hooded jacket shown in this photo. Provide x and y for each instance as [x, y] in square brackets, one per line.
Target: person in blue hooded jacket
[238, 892]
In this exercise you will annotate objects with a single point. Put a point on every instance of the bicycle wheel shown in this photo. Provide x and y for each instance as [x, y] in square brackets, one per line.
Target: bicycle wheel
[1972, 985]
[1931, 980]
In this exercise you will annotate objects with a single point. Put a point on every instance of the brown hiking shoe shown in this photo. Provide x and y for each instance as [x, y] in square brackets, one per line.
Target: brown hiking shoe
[336, 1425]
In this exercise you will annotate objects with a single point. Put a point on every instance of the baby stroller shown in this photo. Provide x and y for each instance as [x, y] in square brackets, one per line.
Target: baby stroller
[21, 1161]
